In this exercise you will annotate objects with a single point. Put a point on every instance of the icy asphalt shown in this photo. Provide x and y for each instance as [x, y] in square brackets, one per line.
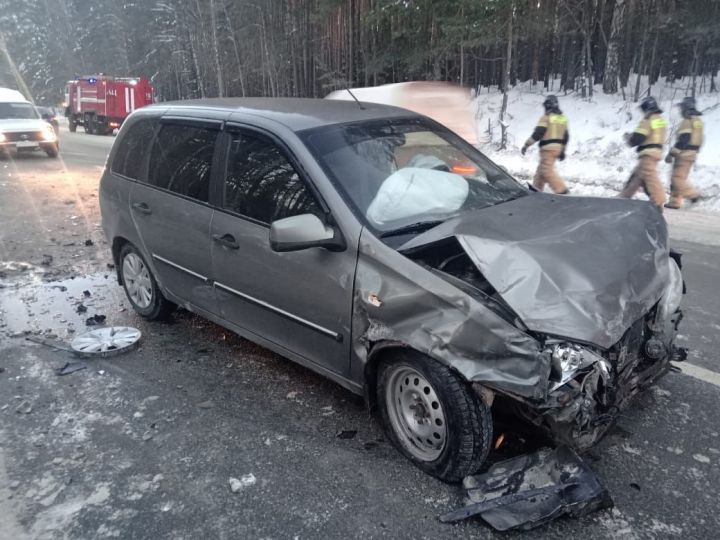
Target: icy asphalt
[143, 445]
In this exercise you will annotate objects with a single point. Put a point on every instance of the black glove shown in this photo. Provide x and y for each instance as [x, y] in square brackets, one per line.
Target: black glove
[669, 158]
[561, 157]
[523, 149]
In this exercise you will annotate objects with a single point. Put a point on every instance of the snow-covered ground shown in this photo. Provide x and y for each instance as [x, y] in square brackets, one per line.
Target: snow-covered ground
[598, 162]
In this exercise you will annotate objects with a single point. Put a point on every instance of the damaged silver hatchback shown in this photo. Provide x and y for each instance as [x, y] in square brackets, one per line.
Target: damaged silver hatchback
[376, 247]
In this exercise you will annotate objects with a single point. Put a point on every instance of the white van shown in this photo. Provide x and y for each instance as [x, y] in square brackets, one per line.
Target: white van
[22, 128]
[446, 103]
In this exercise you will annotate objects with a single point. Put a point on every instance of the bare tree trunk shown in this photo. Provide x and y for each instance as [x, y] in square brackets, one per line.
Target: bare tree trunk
[216, 53]
[4, 53]
[610, 78]
[236, 48]
[640, 69]
[506, 76]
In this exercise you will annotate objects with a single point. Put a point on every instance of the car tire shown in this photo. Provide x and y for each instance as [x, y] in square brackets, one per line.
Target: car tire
[52, 151]
[452, 438]
[72, 126]
[140, 285]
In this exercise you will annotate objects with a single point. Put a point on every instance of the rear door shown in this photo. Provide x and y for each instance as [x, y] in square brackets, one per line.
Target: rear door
[299, 300]
[171, 211]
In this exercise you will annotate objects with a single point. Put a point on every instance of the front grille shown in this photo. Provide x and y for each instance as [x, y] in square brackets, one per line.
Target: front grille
[24, 136]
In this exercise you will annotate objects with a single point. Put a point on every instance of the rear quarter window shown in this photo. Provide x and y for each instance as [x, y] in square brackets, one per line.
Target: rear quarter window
[130, 156]
[181, 160]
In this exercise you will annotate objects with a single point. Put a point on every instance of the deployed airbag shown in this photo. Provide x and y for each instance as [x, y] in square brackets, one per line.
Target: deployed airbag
[415, 193]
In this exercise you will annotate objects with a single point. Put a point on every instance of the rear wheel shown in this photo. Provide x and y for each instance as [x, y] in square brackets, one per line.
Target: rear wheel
[72, 125]
[140, 286]
[433, 416]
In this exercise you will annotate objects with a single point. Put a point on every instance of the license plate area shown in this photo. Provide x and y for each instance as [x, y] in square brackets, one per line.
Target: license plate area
[26, 144]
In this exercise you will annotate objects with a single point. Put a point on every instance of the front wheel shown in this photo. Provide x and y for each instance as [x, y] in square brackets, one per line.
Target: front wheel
[433, 416]
[140, 286]
[52, 151]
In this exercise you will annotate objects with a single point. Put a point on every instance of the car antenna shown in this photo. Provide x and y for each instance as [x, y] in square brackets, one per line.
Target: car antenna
[356, 99]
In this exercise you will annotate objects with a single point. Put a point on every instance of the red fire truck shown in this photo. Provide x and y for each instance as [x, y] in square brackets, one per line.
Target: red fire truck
[100, 103]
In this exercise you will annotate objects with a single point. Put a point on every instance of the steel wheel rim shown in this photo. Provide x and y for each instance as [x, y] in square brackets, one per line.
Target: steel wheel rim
[416, 413]
[136, 278]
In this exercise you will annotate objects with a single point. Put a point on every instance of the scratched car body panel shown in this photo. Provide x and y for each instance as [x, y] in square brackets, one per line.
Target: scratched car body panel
[362, 240]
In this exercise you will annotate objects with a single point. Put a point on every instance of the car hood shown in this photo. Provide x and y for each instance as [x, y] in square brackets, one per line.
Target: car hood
[22, 124]
[576, 267]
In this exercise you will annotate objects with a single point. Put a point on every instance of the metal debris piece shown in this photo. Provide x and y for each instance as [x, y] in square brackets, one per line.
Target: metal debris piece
[531, 490]
[70, 367]
[106, 341]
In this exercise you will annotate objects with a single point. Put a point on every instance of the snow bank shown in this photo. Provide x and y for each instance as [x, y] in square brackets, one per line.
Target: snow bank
[598, 161]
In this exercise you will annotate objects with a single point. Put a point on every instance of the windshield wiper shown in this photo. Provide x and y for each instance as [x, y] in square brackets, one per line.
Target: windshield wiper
[420, 226]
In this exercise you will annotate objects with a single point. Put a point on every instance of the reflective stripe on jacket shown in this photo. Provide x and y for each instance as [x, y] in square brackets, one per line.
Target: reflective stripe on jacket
[652, 132]
[551, 129]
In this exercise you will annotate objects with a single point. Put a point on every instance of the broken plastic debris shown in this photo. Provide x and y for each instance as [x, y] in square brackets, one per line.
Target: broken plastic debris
[95, 320]
[70, 367]
[531, 490]
[374, 300]
[24, 408]
[245, 480]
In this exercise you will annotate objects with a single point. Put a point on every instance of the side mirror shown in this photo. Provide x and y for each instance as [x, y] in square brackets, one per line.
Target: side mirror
[303, 232]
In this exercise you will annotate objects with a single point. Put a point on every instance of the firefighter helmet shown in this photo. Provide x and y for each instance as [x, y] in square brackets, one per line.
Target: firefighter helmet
[551, 103]
[688, 104]
[649, 105]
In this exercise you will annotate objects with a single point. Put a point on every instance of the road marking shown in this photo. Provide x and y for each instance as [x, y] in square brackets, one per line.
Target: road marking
[700, 373]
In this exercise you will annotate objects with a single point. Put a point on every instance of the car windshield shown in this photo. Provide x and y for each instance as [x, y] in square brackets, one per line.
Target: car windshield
[17, 111]
[403, 174]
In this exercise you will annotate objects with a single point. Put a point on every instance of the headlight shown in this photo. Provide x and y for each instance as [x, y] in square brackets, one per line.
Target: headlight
[2, 137]
[567, 359]
[670, 302]
[49, 134]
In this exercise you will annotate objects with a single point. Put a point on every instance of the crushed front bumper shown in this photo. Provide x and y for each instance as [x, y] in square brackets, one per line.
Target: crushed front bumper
[579, 412]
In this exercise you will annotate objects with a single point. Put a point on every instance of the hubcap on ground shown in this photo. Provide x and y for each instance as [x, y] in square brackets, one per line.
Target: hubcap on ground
[136, 277]
[415, 412]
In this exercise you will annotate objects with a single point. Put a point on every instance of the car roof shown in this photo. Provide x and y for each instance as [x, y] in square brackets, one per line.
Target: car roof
[295, 113]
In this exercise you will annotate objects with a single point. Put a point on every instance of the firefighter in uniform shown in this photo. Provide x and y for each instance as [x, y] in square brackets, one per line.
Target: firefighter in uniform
[649, 138]
[552, 132]
[684, 154]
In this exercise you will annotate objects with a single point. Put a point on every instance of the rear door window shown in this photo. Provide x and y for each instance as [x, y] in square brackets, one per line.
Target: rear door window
[181, 160]
[129, 160]
[262, 183]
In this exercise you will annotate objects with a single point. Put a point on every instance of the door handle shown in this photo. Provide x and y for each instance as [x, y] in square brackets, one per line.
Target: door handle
[226, 240]
[142, 207]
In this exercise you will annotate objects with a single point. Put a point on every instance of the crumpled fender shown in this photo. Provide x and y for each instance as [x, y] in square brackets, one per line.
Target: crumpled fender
[397, 301]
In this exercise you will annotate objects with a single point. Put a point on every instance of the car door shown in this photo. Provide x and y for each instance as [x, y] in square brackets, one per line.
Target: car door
[171, 211]
[299, 300]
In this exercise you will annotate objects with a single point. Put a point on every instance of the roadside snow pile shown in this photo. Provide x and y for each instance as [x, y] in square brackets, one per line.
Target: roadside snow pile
[598, 161]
